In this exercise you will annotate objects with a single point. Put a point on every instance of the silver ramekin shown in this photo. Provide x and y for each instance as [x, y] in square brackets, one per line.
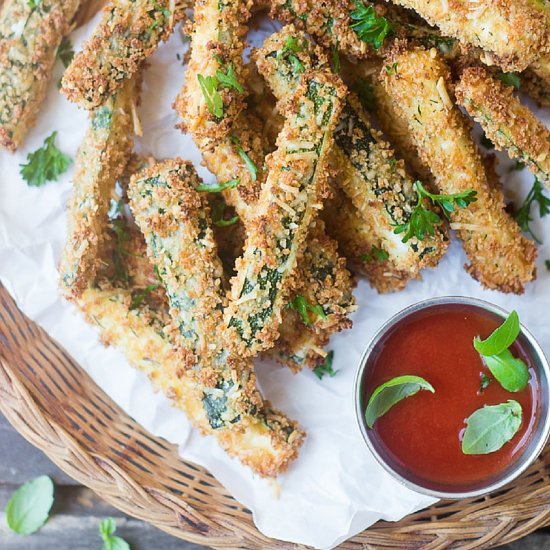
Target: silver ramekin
[541, 430]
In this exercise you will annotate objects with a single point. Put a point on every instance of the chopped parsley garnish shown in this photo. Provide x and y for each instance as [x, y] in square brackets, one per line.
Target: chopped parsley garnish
[289, 50]
[510, 79]
[229, 79]
[391, 69]
[45, 164]
[363, 88]
[325, 367]
[304, 308]
[485, 381]
[523, 215]
[245, 158]
[218, 188]
[422, 221]
[141, 294]
[65, 53]
[218, 216]
[209, 87]
[378, 254]
[517, 166]
[33, 4]
[370, 27]
[486, 142]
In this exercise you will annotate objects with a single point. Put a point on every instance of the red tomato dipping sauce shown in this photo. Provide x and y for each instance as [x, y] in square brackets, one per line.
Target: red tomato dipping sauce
[420, 437]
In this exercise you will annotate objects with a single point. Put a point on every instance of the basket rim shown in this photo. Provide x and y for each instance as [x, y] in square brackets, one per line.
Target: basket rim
[505, 523]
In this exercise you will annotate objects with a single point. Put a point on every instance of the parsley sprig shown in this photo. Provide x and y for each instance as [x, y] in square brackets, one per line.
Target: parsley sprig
[510, 79]
[376, 254]
[230, 184]
[325, 367]
[209, 88]
[422, 221]
[304, 308]
[219, 218]
[245, 158]
[535, 196]
[107, 529]
[45, 164]
[229, 79]
[369, 26]
[289, 51]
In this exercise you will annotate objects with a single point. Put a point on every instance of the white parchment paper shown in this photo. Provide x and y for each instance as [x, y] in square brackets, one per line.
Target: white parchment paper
[335, 489]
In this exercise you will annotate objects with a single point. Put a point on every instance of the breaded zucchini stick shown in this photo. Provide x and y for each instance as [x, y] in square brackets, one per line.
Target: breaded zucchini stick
[287, 206]
[30, 34]
[501, 257]
[368, 172]
[128, 33]
[213, 94]
[513, 32]
[506, 122]
[266, 441]
[101, 160]
[176, 224]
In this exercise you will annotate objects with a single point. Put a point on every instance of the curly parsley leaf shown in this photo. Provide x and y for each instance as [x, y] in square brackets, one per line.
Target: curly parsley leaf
[369, 26]
[325, 367]
[107, 529]
[378, 254]
[219, 218]
[510, 79]
[245, 158]
[304, 308]
[230, 184]
[29, 507]
[45, 164]
[422, 221]
[209, 88]
[535, 196]
[65, 53]
[229, 79]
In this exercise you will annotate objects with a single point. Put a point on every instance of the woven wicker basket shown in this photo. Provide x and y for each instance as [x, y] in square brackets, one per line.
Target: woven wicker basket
[56, 406]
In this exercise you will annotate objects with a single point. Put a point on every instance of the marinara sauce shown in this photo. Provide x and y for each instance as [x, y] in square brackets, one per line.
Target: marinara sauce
[420, 437]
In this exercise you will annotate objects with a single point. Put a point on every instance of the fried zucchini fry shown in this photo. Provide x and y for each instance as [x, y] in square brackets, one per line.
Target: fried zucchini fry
[288, 204]
[176, 224]
[507, 123]
[30, 34]
[368, 172]
[501, 257]
[101, 160]
[128, 33]
[213, 94]
[266, 441]
[513, 32]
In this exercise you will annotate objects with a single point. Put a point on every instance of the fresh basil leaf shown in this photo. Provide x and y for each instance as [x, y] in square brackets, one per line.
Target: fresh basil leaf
[111, 542]
[391, 392]
[511, 373]
[501, 339]
[490, 427]
[29, 507]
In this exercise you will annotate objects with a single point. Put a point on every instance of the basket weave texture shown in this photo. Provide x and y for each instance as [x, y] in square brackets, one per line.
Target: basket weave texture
[56, 406]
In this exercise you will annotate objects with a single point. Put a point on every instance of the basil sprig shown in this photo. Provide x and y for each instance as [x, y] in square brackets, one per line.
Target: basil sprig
[391, 392]
[511, 372]
[490, 427]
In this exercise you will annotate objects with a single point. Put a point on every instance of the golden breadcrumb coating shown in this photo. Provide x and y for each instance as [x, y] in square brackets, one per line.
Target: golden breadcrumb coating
[512, 32]
[367, 170]
[128, 33]
[288, 204]
[30, 35]
[506, 122]
[266, 441]
[214, 90]
[419, 83]
[101, 160]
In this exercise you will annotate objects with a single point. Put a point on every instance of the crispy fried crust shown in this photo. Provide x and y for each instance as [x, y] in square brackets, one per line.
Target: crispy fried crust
[501, 257]
[128, 33]
[507, 123]
[267, 441]
[367, 170]
[216, 47]
[513, 32]
[101, 160]
[29, 39]
[537, 87]
[288, 204]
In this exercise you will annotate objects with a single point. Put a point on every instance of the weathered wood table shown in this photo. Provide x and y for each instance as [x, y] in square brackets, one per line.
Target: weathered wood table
[77, 511]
